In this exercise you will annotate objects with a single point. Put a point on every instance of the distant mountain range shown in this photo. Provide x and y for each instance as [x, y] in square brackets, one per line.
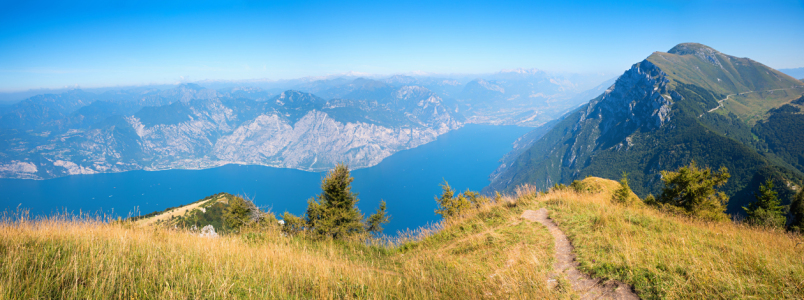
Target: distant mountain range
[690, 103]
[310, 127]
[797, 73]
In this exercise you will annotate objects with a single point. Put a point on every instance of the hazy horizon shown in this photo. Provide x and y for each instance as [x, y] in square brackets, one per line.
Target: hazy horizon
[90, 45]
[348, 74]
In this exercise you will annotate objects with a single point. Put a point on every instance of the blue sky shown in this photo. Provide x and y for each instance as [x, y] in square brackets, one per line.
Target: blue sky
[92, 44]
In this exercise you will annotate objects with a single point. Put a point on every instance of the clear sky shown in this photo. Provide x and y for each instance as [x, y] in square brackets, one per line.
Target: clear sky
[51, 45]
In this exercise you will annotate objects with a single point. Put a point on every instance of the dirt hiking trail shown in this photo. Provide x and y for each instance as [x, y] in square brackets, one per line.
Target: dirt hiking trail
[587, 287]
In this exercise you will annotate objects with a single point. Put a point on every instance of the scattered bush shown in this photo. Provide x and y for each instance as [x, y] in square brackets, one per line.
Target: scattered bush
[476, 199]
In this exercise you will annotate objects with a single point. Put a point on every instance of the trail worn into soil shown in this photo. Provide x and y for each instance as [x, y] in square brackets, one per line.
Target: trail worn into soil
[587, 287]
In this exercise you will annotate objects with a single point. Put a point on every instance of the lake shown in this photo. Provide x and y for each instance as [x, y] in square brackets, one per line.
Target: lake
[408, 181]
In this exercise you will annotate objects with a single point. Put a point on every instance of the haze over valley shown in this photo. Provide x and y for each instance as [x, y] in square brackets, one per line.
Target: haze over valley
[302, 124]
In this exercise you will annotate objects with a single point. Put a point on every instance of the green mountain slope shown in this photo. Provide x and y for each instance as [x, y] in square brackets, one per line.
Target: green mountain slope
[662, 113]
[781, 133]
[755, 88]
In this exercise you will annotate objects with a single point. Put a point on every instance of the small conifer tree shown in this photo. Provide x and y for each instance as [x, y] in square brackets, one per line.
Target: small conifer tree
[767, 210]
[623, 194]
[334, 213]
[375, 221]
[449, 204]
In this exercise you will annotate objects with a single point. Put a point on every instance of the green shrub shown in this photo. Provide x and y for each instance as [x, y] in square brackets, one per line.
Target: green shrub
[238, 213]
[450, 205]
[692, 191]
[292, 224]
[475, 199]
[650, 200]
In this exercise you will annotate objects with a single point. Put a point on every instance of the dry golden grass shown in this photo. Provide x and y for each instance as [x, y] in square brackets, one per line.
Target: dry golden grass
[665, 256]
[488, 254]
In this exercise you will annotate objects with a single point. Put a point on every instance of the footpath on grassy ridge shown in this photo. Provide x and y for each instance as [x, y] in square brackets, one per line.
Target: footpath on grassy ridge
[495, 251]
[587, 287]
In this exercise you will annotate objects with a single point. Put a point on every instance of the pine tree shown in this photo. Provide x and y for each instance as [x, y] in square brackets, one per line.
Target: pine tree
[767, 210]
[375, 221]
[450, 205]
[334, 213]
[623, 194]
[692, 189]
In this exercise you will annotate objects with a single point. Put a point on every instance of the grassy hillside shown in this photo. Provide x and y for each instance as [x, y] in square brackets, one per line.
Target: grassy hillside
[754, 87]
[698, 64]
[207, 211]
[671, 257]
[490, 253]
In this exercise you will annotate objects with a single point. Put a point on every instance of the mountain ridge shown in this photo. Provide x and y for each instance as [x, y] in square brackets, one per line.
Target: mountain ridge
[656, 118]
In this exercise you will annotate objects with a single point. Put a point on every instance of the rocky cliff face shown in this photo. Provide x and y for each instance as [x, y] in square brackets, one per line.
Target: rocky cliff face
[317, 142]
[200, 129]
[638, 100]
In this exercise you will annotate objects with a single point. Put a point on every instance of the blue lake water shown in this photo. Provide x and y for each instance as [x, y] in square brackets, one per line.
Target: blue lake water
[408, 181]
